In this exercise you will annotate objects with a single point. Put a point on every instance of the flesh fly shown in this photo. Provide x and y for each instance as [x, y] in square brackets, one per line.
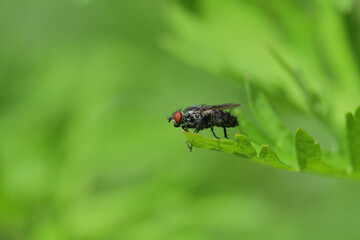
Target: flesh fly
[203, 116]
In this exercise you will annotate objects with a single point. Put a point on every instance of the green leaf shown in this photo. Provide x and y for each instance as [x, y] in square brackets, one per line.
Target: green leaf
[307, 151]
[353, 137]
[254, 133]
[270, 123]
[241, 146]
[268, 156]
[309, 157]
[262, 111]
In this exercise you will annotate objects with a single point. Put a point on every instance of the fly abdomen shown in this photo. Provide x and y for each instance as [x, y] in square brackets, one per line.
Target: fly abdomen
[224, 119]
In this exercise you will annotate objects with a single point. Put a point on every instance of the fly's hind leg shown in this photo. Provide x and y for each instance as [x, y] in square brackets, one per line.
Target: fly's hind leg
[225, 133]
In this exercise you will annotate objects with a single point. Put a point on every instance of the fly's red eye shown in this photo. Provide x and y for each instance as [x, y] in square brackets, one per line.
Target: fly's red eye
[177, 117]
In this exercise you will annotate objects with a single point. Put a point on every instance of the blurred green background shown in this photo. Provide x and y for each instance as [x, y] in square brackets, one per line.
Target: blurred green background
[86, 151]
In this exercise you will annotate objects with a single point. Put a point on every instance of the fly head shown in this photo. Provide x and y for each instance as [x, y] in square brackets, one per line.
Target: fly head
[177, 118]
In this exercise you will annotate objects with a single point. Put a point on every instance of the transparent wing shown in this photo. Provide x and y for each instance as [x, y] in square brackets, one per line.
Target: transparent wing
[222, 106]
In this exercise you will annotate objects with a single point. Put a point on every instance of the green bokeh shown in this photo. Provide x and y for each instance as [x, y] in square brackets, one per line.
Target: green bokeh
[86, 151]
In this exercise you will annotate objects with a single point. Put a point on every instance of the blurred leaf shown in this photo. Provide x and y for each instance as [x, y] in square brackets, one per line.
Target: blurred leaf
[353, 135]
[298, 52]
[270, 124]
[307, 151]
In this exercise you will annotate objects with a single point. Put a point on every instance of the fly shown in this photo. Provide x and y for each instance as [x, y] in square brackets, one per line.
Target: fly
[202, 116]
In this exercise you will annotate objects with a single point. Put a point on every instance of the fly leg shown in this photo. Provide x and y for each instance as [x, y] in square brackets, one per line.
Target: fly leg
[197, 129]
[200, 124]
[187, 130]
[211, 125]
[189, 146]
[225, 133]
[212, 130]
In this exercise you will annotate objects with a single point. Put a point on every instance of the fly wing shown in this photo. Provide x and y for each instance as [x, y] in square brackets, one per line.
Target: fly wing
[222, 106]
[208, 109]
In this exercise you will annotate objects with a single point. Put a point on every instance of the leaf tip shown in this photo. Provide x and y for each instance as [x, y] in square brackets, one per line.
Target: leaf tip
[349, 116]
[299, 131]
[357, 112]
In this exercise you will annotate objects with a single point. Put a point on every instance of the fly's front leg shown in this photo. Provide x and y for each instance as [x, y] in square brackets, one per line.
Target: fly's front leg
[185, 127]
[189, 145]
